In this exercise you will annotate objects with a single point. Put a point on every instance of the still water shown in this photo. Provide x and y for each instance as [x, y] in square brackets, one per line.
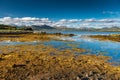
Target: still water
[92, 46]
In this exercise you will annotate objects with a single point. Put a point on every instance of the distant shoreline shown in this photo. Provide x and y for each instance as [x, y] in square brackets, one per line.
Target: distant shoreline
[112, 37]
[15, 32]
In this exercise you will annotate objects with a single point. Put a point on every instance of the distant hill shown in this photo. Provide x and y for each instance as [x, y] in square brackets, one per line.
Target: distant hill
[41, 27]
[7, 27]
[114, 28]
[48, 28]
[14, 28]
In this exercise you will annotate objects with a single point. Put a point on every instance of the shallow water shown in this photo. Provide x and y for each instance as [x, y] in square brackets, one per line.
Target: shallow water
[92, 46]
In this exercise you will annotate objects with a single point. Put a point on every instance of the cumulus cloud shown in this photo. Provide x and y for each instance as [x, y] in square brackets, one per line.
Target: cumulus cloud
[28, 19]
[24, 21]
[89, 20]
[71, 23]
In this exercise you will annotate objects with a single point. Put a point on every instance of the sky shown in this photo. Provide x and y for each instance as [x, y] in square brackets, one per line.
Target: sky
[72, 13]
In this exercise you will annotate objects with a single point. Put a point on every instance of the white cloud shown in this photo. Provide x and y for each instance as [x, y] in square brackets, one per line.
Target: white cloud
[24, 21]
[76, 23]
[28, 19]
[90, 20]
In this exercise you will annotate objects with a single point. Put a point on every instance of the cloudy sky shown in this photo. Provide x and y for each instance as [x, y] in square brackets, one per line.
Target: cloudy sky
[70, 13]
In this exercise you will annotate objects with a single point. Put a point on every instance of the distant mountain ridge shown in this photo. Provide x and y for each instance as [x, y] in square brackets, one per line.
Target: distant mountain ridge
[50, 28]
[39, 27]
[5, 27]
[114, 28]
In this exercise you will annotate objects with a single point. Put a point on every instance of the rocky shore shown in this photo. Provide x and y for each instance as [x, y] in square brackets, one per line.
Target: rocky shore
[39, 62]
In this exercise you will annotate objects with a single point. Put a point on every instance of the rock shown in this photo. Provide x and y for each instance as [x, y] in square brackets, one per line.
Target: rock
[58, 33]
[71, 35]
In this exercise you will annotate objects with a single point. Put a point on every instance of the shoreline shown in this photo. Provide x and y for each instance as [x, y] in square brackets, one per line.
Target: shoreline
[30, 36]
[15, 32]
[112, 37]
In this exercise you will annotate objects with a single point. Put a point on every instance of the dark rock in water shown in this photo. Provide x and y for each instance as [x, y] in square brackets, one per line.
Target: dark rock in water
[71, 35]
[58, 33]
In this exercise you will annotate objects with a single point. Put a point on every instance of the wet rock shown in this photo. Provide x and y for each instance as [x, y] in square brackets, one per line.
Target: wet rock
[71, 35]
[58, 33]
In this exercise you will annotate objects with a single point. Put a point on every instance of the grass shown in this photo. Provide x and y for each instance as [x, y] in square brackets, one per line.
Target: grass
[39, 62]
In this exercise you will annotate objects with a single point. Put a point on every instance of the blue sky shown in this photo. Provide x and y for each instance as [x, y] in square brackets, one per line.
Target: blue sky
[70, 13]
[57, 9]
